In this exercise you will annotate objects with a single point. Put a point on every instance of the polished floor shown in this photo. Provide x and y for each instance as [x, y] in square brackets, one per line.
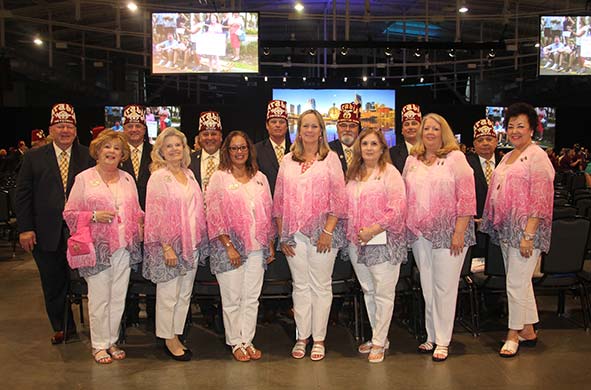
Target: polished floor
[560, 361]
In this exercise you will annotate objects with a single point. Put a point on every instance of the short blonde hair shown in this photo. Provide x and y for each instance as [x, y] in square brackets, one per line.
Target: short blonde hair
[297, 148]
[447, 138]
[107, 136]
[157, 158]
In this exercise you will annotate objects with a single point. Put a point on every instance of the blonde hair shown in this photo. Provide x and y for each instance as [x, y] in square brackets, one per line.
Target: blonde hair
[109, 135]
[357, 169]
[297, 148]
[447, 138]
[157, 158]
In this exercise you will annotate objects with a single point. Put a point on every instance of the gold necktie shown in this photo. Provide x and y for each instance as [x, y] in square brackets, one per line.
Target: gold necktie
[64, 164]
[209, 169]
[279, 151]
[348, 157]
[135, 161]
[488, 171]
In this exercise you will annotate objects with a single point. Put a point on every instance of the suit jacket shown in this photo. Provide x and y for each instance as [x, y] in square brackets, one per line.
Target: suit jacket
[267, 160]
[195, 166]
[398, 154]
[144, 173]
[40, 196]
[337, 147]
[479, 181]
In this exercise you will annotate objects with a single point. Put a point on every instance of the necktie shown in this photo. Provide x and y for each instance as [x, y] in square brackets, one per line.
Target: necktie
[348, 157]
[63, 164]
[135, 161]
[209, 169]
[279, 151]
[488, 171]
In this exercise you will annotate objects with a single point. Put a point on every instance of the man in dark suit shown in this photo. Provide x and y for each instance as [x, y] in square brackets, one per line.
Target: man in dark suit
[270, 152]
[483, 162]
[411, 121]
[205, 162]
[348, 127]
[43, 184]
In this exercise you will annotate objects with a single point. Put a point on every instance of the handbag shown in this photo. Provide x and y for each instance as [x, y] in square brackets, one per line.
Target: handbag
[80, 252]
[241, 35]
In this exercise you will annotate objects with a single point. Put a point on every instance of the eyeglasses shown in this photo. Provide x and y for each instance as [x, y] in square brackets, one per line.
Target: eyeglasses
[242, 148]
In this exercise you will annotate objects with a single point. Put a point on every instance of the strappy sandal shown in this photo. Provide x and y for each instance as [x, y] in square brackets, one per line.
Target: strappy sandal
[117, 353]
[440, 354]
[299, 349]
[255, 354]
[510, 348]
[318, 352]
[240, 354]
[366, 347]
[101, 356]
[376, 354]
[426, 347]
[523, 342]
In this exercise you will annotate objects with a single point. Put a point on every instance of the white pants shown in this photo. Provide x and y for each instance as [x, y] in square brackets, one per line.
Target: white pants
[311, 274]
[440, 277]
[106, 300]
[520, 292]
[378, 283]
[172, 304]
[240, 289]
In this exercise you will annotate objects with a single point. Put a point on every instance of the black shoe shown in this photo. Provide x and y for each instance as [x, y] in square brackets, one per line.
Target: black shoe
[185, 357]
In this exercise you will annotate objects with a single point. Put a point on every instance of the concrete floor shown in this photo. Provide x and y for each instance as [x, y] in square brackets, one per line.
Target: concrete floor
[561, 359]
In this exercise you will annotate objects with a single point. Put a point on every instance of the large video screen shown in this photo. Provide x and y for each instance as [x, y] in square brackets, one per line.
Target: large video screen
[158, 118]
[377, 108]
[565, 46]
[205, 42]
[544, 130]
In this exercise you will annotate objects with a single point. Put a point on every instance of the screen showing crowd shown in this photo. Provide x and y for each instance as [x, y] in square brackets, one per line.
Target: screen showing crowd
[565, 45]
[544, 130]
[158, 118]
[206, 42]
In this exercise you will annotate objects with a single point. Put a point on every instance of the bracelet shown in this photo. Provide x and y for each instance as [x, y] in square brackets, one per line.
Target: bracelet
[528, 236]
[227, 244]
[327, 232]
[94, 216]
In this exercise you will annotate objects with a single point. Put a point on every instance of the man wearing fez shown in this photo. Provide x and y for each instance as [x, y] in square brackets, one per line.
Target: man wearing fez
[348, 126]
[483, 162]
[270, 152]
[37, 138]
[411, 121]
[43, 184]
[205, 162]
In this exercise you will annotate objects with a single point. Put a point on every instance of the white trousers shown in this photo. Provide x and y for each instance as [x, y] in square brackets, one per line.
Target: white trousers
[440, 276]
[172, 304]
[378, 283]
[240, 289]
[311, 274]
[520, 292]
[106, 300]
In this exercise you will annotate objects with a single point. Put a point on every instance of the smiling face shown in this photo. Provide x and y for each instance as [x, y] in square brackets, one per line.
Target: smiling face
[409, 130]
[348, 132]
[172, 150]
[210, 140]
[110, 154]
[519, 131]
[432, 138]
[310, 130]
[63, 134]
[485, 146]
[135, 133]
[277, 127]
[238, 149]
[371, 149]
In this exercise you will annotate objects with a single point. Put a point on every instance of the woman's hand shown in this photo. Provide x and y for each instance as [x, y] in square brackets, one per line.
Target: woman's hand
[104, 216]
[526, 248]
[234, 256]
[324, 243]
[457, 243]
[365, 234]
[287, 249]
[170, 259]
[271, 257]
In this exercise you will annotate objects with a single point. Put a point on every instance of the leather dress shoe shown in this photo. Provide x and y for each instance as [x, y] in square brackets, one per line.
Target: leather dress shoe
[59, 337]
[185, 357]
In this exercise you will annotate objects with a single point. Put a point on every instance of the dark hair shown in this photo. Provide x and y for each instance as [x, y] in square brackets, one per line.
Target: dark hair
[226, 161]
[517, 109]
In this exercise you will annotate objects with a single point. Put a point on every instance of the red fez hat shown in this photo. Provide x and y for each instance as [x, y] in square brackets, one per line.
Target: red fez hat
[37, 135]
[484, 127]
[411, 112]
[350, 113]
[134, 113]
[277, 109]
[210, 120]
[96, 131]
[62, 113]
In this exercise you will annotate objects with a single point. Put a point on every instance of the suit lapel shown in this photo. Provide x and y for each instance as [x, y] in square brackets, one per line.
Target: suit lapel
[270, 153]
[52, 159]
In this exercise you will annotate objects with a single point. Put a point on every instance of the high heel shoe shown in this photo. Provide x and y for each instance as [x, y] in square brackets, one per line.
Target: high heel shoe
[185, 357]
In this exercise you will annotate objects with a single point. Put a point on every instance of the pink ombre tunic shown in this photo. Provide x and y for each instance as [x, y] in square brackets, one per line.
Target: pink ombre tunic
[516, 192]
[436, 196]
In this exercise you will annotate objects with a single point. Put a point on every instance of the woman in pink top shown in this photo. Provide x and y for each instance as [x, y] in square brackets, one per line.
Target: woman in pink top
[239, 223]
[175, 237]
[105, 198]
[518, 215]
[376, 233]
[309, 200]
[441, 203]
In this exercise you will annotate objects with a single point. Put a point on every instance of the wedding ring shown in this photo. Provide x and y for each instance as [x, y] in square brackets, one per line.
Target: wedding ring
[110, 220]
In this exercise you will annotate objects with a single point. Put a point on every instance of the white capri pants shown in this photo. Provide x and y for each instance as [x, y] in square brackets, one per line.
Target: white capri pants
[440, 277]
[240, 289]
[173, 299]
[311, 274]
[106, 300]
[378, 283]
[520, 292]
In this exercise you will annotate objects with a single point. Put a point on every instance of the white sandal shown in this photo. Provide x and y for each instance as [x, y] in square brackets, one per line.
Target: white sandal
[426, 347]
[319, 351]
[512, 347]
[376, 354]
[440, 354]
[366, 347]
[299, 349]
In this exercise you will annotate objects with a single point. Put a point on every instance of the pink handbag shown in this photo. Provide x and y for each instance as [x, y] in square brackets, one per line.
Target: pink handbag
[80, 251]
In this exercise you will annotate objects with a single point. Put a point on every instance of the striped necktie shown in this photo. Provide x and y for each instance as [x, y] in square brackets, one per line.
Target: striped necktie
[64, 163]
[209, 169]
